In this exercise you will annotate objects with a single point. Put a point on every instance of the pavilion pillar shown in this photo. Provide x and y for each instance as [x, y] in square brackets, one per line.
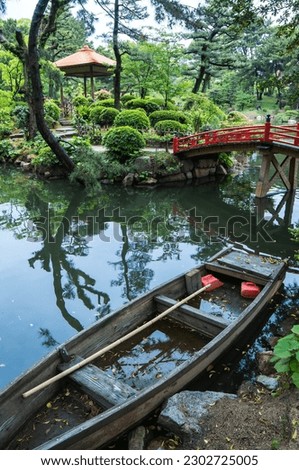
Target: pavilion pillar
[85, 86]
[92, 86]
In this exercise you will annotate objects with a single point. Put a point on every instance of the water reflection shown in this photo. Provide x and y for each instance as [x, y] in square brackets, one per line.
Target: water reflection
[68, 259]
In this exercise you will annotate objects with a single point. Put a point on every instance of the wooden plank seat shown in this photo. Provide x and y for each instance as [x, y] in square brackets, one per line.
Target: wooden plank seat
[100, 386]
[190, 316]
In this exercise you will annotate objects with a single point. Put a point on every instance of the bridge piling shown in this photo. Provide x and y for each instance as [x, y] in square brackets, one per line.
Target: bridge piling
[265, 181]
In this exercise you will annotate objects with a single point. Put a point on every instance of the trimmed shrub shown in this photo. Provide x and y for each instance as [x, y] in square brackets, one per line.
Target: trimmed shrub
[133, 118]
[148, 105]
[102, 95]
[52, 112]
[108, 103]
[95, 113]
[83, 111]
[107, 116]
[21, 116]
[81, 101]
[170, 126]
[127, 97]
[164, 115]
[123, 142]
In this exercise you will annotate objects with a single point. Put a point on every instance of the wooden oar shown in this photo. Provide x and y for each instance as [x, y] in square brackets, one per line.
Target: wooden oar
[112, 345]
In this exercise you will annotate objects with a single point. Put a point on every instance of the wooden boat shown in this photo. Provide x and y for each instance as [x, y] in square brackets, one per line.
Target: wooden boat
[60, 405]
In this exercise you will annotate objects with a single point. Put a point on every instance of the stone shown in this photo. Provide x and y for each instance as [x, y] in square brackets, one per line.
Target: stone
[143, 164]
[264, 365]
[271, 383]
[221, 170]
[129, 179]
[184, 413]
[201, 172]
[172, 178]
[26, 166]
[137, 438]
[187, 165]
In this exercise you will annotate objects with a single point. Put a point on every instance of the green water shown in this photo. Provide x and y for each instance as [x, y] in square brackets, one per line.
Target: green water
[68, 259]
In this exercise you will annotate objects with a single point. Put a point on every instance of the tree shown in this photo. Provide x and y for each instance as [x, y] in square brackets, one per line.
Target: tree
[123, 13]
[35, 79]
[212, 47]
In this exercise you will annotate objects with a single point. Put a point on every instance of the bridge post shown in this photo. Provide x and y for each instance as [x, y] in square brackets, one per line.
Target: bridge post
[267, 128]
[265, 181]
[296, 140]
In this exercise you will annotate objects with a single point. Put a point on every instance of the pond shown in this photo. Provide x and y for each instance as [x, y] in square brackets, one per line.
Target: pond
[68, 258]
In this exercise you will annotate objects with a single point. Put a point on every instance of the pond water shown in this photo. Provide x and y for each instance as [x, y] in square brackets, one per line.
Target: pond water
[68, 258]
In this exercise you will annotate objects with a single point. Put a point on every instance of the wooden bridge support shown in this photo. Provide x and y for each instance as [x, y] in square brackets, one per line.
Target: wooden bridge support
[287, 171]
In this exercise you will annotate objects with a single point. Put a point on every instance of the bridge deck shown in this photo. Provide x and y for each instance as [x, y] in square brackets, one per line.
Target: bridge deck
[268, 139]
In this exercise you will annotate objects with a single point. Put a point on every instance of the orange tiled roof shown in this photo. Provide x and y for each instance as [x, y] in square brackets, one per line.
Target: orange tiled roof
[84, 56]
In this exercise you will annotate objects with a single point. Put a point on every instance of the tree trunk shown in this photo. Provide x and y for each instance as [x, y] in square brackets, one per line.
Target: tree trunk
[199, 80]
[37, 92]
[118, 68]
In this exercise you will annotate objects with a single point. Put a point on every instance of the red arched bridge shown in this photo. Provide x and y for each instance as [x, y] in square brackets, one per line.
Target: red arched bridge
[269, 139]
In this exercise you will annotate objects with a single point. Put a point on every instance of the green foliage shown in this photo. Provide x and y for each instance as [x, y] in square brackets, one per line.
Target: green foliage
[127, 97]
[295, 234]
[45, 157]
[226, 160]
[21, 116]
[102, 95]
[83, 111]
[133, 118]
[235, 118]
[170, 126]
[147, 104]
[286, 355]
[123, 142]
[87, 169]
[81, 100]
[7, 150]
[203, 111]
[283, 118]
[52, 112]
[107, 116]
[164, 115]
[95, 113]
[107, 103]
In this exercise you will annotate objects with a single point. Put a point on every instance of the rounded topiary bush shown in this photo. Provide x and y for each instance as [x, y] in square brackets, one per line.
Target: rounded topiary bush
[95, 113]
[123, 142]
[103, 95]
[52, 112]
[164, 115]
[108, 103]
[169, 126]
[148, 105]
[107, 116]
[133, 118]
[127, 97]
[81, 101]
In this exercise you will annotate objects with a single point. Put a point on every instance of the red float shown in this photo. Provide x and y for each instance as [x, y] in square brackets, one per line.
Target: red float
[249, 290]
[210, 279]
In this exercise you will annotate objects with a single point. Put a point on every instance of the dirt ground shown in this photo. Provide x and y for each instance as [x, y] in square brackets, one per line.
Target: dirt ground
[255, 420]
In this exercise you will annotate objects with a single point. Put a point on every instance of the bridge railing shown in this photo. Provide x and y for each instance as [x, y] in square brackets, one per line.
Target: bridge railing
[260, 133]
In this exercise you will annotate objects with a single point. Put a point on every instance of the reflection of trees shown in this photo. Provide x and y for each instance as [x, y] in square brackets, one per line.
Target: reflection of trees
[133, 257]
[54, 256]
